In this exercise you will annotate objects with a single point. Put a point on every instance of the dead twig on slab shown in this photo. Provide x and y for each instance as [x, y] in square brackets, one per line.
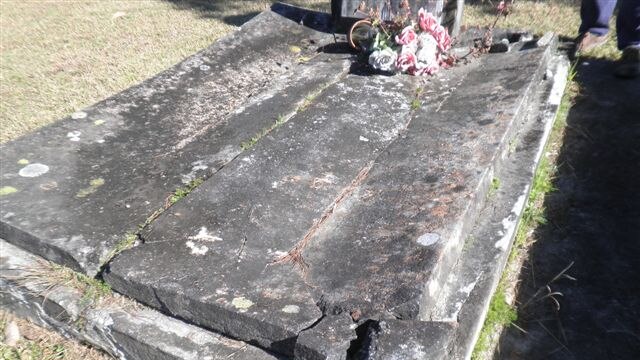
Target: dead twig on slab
[294, 256]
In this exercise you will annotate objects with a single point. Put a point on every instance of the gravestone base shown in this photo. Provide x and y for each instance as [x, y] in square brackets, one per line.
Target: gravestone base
[338, 213]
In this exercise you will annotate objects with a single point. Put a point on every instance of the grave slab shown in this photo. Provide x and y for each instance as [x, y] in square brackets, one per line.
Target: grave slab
[73, 190]
[388, 248]
[371, 200]
[223, 239]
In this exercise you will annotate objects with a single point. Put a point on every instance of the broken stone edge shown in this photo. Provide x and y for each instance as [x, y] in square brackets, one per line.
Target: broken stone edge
[121, 327]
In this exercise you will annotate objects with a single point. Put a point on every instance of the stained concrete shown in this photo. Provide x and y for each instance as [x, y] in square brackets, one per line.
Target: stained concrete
[80, 185]
[255, 209]
[373, 204]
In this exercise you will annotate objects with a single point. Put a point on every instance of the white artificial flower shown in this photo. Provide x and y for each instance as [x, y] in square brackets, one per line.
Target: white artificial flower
[384, 60]
[427, 54]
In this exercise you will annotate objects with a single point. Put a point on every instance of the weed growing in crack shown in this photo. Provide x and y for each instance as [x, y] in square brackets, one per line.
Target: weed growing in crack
[246, 145]
[126, 243]
[415, 104]
[182, 192]
[493, 188]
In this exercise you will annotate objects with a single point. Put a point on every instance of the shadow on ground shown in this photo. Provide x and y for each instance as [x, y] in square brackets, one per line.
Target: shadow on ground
[237, 12]
[594, 223]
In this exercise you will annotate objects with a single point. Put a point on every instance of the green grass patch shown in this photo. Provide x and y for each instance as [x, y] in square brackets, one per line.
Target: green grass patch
[57, 275]
[500, 314]
[32, 350]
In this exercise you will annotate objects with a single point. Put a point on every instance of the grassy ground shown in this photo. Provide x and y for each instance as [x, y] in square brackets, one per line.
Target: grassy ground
[57, 57]
[41, 344]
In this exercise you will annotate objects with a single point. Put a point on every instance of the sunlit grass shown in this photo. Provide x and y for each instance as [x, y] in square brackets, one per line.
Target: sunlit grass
[60, 56]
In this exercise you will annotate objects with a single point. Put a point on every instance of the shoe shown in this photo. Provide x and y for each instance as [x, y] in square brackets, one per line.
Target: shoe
[587, 41]
[629, 64]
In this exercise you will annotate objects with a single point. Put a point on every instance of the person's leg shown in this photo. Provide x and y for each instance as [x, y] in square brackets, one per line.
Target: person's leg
[595, 15]
[628, 24]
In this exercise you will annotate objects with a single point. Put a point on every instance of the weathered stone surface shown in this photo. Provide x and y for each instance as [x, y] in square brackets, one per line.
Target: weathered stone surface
[223, 239]
[387, 250]
[375, 205]
[78, 186]
[466, 294]
[124, 329]
[408, 340]
[328, 340]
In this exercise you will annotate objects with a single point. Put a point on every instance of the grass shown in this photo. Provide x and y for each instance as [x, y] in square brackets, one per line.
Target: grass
[38, 343]
[60, 56]
[49, 277]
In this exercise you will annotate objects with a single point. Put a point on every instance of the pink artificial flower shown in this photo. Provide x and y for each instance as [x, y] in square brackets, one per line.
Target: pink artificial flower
[406, 60]
[501, 6]
[441, 34]
[426, 20]
[407, 36]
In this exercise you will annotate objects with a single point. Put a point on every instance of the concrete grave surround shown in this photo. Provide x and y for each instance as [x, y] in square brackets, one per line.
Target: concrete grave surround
[344, 231]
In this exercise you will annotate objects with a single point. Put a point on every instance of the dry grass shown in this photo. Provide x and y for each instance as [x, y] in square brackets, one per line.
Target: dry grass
[57, 57]
[559, 16]
[37, 343]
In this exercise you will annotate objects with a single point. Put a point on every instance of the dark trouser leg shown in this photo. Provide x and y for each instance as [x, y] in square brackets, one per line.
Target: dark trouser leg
[595, 15]
[628, 24]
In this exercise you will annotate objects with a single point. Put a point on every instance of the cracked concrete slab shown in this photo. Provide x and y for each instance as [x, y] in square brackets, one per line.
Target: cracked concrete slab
[373, 208]
[224, 238]
[387, 251]
[100, 173]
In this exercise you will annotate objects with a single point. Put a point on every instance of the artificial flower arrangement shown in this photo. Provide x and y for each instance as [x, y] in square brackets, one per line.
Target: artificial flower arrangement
[407, 46]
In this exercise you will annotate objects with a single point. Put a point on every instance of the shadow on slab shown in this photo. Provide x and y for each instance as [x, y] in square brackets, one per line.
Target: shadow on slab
[237, 12]
[593, 221]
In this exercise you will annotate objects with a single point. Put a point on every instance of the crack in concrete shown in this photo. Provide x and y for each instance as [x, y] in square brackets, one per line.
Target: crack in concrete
[294, 255]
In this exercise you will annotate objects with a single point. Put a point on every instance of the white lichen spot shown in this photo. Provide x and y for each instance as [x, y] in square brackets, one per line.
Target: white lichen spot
[433, 287]
[291, 309]
[205, 67]
[241, 303]
[79, 115]
[467, 289]
[203, 235]
[74, 135]
[23, 162]
[196, 249]
[33, 170]
[98, 122]
[362, 138]
[428, 239]
[509, 223]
